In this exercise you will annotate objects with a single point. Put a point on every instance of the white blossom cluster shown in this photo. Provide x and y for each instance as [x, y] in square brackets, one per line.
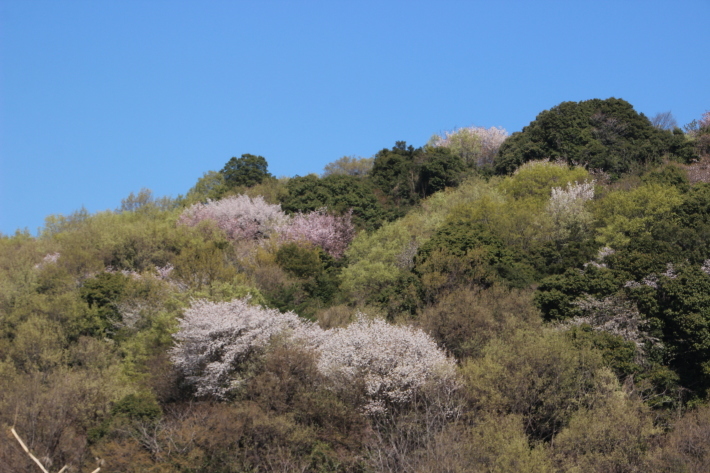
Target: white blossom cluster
[49, 258]
[475, 144]
[164, 272]
[706, 266]
[241, 217]
[601, 257]
[217, 341]
[614, 315]
[652, 279]
[393, 361]
[566, 205]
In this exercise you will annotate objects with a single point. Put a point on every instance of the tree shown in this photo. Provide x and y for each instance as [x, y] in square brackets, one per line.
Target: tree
[339, 193]
[664, 121]
[476, 146]
[331, 232]
[249, 170]
[598, 134]
[349, 166]
[393, 362]
[441, 169]
[217, 341]
[241, 217]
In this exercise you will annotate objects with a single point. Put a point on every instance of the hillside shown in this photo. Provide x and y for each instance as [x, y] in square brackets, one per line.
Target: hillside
[526, 303]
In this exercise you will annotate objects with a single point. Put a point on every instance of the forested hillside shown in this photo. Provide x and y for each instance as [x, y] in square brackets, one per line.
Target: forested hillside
[538, 302]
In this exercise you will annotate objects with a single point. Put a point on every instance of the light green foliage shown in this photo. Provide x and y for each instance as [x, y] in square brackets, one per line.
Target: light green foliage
[537, 178]
[462, 142]
[350, 166]
[377, 259]
[540, 376]
[612, 436]
[145, 202]
[210, 186]
[625, 215]
[498, 444]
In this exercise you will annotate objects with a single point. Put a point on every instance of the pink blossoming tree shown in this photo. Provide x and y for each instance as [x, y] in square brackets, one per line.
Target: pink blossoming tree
[331, 232]
[241, 217]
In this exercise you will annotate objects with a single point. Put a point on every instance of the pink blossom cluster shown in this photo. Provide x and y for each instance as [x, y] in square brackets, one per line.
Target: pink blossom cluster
[217, 341]
[244, 218]
[241, 217]
[331, 232]
[705, 120]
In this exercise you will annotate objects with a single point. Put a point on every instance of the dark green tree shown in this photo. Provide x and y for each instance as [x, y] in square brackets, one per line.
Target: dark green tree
[339, 193]
[248, 171]
[599, 134]
[395, 174]
[440, 169]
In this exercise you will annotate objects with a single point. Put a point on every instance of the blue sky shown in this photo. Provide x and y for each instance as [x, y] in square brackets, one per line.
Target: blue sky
[100, 99]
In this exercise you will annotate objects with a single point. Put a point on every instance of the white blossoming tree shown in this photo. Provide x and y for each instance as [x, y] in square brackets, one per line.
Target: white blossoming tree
[394, 362]
[216, 341]
[475, 145]
[567, 207]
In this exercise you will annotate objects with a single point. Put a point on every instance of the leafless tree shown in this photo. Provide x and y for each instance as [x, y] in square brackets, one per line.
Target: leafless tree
[664, 121]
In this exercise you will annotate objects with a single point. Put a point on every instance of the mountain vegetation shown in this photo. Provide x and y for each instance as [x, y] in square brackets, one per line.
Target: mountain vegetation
[538, 302]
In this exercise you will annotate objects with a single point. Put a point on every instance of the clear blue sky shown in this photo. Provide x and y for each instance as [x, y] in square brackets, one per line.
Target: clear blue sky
[102, 98]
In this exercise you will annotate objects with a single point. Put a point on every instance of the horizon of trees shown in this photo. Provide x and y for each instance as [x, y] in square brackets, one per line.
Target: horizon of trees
[534, 302]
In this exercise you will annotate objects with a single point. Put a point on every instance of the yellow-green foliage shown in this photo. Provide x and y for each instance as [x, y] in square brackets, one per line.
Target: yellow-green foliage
[515, 210]
[623, 215]
[611, 436]
[540, 375]
[377, 259]
[498, 444]
[537, 178]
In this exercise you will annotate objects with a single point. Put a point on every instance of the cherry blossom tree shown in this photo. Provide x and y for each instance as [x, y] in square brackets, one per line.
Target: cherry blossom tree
[393, 361]
[331, 232]
[567, 206]
[241, 217]
[217, 341]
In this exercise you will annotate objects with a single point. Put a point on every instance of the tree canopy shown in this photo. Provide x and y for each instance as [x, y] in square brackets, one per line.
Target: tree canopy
[608, 135]
[248, 171]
